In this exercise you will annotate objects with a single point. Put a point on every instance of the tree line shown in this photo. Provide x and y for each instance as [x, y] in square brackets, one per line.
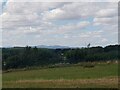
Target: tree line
[21, 57]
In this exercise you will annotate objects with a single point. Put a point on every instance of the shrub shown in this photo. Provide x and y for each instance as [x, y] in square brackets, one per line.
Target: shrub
[88, 65]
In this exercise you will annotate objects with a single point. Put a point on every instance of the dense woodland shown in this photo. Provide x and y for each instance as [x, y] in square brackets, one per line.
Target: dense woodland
[21, 57]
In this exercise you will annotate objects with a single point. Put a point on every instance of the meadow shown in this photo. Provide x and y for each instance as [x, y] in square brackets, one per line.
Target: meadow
[102, 75]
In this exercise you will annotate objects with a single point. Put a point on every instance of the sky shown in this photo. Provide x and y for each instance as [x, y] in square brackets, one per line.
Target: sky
[59, 23]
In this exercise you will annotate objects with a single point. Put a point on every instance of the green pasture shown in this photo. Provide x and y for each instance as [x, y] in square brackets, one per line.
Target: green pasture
[74, 76]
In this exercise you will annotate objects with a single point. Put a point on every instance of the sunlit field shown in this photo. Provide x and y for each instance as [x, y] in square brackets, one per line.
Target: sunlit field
[102, 75]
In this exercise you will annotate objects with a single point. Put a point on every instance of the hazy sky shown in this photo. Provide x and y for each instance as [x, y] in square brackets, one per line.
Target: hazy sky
[59, 23]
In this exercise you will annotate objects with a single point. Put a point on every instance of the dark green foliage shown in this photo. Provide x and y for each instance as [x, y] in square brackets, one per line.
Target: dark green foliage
[76, 55]
[25, 57]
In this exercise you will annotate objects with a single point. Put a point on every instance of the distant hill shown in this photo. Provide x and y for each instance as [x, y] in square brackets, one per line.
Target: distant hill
[52, 47]
[44, 46]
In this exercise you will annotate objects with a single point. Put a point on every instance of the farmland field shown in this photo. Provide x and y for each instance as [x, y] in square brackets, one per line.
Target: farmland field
[101, 76]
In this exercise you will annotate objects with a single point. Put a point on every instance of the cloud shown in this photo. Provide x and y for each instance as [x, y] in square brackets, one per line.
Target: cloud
[70, 11]
[65, 23]
[26, 12]
[78, 26]
[106, 13]
[105, 21]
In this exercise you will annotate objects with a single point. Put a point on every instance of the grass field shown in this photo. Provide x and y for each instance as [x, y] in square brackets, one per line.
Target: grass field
[100, 76]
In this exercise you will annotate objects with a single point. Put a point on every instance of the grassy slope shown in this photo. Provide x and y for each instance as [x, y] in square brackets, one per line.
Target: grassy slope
[102, 75]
